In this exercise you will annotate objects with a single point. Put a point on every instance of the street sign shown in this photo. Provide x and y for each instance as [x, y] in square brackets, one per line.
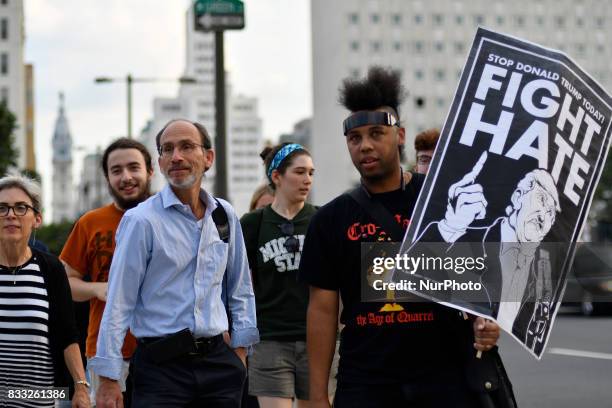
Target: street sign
[218, 15]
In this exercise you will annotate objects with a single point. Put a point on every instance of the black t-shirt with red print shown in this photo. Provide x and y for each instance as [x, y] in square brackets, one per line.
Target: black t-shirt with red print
[381, 342]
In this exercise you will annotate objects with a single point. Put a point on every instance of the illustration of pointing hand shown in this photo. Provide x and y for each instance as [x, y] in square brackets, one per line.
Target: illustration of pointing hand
[466, 203]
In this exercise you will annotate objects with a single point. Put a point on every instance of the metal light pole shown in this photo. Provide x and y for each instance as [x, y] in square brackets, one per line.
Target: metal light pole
[217, 16]
[220, 131]
[129, 80]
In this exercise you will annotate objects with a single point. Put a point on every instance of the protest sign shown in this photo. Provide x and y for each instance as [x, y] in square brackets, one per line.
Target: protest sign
[510, 186]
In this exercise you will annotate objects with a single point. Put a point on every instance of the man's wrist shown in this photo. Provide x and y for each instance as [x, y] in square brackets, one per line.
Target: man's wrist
[319, 394]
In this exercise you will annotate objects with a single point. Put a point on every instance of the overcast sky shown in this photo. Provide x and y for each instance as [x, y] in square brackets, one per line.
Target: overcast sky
[70, 42]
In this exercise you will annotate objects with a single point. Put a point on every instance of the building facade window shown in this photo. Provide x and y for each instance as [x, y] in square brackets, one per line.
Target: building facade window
[560, 21]
[439, 74]
[375, 46]
[418, 74]
[519, 21]
[459, 19]
[353, 18]
[418, 47]
[4, 63]
[4, 95]
[4, 29]
[397, 46]
[171, 108]
[4, 2]
[354, 45]
[396, 19]
[374, 18]
[203, 45]
[437, 18]
[419, 102]
[418, 19]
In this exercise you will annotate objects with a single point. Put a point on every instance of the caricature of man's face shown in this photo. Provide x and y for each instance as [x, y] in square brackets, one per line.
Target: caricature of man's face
[535, 216]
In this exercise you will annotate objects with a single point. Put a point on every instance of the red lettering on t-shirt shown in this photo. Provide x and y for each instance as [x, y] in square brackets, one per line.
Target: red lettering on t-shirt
[392, 318]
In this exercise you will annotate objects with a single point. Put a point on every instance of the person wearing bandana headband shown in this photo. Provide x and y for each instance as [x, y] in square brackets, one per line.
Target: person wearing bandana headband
[391, 354]
[274, 235]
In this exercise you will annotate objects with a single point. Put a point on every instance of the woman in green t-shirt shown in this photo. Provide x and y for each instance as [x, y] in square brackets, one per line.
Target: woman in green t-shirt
[274, 236]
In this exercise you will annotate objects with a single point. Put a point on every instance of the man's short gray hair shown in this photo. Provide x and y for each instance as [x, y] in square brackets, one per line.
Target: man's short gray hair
[29, 186]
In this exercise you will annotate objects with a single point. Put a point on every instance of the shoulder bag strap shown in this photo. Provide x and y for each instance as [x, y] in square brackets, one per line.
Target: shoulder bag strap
[378, 212]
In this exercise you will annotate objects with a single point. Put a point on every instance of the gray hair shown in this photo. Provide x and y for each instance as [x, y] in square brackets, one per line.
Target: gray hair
[29, 186]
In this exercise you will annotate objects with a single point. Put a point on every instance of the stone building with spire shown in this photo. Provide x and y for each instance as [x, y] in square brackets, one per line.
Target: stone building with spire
[62, 202]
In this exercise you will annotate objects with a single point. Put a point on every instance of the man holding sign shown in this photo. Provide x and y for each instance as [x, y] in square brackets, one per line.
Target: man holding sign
[391, 354]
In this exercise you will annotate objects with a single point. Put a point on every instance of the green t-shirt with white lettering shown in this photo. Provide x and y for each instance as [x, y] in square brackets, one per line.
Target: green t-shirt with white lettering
[280, 299]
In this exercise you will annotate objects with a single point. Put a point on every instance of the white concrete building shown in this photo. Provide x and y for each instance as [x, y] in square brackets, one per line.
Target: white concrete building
[62, 202]
[12, 69]
[245, 167]
[197, 102]
[93, 188]
[429, 41]
[302, 134]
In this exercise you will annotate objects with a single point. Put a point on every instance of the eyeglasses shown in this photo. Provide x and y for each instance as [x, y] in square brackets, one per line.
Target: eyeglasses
[292, 244]
[185, 148]
[423, 159]
[18, 209]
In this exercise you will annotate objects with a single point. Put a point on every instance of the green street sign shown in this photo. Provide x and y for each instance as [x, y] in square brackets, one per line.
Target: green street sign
[218, 15]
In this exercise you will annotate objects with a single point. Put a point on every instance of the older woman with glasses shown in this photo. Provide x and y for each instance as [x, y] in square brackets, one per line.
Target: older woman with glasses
[38, 337]
[274, 235]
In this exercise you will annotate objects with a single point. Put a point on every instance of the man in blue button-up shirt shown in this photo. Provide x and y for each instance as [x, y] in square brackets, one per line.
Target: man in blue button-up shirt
[166, 276]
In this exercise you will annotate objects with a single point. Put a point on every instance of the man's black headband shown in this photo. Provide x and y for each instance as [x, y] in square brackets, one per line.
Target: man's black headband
[363, 118]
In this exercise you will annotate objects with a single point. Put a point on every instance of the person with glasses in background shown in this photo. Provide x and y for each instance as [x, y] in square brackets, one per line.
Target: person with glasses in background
[38, 335]
[274, 235]
[425, 145]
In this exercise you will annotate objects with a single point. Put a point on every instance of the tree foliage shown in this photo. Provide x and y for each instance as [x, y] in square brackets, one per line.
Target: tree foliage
[54, 235]
[8, 153]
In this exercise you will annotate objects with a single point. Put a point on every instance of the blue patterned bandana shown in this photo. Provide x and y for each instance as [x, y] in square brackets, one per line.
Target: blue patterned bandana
[282, 155]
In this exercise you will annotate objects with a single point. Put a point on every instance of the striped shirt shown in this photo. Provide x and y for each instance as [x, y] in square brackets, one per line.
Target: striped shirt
[25, 355]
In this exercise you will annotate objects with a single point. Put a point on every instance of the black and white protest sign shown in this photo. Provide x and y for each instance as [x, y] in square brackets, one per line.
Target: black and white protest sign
[510, 185]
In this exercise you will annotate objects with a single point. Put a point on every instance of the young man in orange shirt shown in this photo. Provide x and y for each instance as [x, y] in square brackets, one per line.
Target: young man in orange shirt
[90, 246]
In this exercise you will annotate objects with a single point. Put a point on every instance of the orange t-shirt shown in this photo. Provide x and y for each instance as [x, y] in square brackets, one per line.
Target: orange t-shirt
[89, 250]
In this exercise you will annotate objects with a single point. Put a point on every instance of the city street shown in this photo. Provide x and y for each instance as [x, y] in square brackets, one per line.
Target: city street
[575, 371]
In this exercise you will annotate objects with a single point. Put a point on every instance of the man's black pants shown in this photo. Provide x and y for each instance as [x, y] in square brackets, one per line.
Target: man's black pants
[214, 378]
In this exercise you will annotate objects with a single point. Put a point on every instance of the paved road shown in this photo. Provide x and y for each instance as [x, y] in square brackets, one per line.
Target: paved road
[575, 371]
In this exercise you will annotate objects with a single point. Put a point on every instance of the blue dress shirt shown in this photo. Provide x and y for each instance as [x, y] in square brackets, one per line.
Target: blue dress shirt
[167, 275]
